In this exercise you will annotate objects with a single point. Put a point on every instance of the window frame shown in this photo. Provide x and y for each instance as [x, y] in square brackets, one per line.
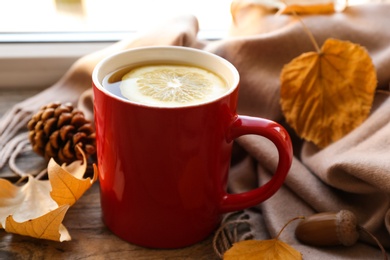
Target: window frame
[38, 60]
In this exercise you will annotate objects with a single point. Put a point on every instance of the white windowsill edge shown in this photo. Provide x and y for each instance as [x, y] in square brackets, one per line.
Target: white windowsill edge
[39, 65]
[39, 61]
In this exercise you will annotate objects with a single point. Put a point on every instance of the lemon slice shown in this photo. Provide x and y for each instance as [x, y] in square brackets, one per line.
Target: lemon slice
[171, 85]
[179, 84]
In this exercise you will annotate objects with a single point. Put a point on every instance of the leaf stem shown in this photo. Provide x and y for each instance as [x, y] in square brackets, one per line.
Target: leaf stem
[365, 231]
[307, 31]
[285, 225]
[21, 179]
[382, 91]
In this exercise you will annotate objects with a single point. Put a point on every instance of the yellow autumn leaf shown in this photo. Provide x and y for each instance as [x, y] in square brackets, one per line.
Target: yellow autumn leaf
[25, 202]
[7, 192]
[47, 226]
[67, 183]
[325, 95]
[326, 8]
[31, 210]
[272, 249]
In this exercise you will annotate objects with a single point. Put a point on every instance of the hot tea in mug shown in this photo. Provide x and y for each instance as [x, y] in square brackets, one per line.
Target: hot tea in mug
[166, 85]
[165, 124]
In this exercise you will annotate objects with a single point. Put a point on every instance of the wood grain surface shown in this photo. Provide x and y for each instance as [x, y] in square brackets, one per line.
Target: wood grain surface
[90, 238]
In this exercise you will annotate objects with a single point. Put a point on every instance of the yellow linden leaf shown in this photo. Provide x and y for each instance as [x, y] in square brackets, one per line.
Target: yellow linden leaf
[47, 226]
[326, 95]
[7, 192]
[326, 8]
[67, 188]
[272, 249]
[30, 210]
[25, 202]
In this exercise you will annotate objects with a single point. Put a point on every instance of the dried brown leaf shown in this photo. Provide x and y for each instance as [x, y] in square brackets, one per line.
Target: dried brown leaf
[262, 249]
[326, 8]
[326, 95]
[47, 226]
[38, 207]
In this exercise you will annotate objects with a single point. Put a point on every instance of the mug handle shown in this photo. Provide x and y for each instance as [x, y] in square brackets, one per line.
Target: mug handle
[244, 125]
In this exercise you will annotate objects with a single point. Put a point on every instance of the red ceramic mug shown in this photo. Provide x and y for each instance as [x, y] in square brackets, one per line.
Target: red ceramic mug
[163, 171]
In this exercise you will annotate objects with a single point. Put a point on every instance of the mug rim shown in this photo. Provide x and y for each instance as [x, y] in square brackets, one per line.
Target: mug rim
[233, 83]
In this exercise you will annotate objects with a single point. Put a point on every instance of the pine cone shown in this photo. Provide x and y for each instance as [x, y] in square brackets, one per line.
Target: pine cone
[55, 131]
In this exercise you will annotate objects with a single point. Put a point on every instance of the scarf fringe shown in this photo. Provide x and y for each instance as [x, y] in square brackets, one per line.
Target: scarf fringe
[235, 227]
[21, 147]
[9, 152]
[14, 137]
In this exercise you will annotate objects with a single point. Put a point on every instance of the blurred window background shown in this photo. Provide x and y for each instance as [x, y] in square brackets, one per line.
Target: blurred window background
[86, 20]
[107, 20]
[41, 39]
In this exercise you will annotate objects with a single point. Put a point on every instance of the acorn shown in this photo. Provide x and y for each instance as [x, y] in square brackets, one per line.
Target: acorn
[329, 229]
